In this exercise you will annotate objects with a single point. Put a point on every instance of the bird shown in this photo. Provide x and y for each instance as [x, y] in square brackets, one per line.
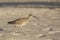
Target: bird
[22, 21]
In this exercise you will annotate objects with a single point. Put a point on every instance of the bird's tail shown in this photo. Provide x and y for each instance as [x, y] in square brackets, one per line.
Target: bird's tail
[11, 22]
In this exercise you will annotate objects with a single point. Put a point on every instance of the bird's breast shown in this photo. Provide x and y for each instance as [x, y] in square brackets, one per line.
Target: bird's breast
[24, 23]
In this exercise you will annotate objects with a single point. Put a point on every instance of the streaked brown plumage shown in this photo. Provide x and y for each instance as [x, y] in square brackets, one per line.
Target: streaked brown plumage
[21, 21]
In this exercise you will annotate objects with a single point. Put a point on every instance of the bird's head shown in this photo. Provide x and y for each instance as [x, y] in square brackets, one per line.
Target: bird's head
[30, 14]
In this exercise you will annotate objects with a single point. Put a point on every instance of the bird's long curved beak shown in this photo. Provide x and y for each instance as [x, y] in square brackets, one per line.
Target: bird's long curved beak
[36, 17]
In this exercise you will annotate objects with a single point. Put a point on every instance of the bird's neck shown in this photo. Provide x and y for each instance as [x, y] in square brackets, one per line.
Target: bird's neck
[29, 17]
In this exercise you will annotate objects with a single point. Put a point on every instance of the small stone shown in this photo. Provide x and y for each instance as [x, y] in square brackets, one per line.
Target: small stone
[47, 29]
[40, 35]
[1, 29]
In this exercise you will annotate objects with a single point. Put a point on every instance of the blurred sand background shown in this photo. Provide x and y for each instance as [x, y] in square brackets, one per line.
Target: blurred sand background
[47, 29]
[49, 19]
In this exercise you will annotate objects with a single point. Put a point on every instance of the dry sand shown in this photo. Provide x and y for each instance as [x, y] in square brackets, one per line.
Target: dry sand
[48, 28]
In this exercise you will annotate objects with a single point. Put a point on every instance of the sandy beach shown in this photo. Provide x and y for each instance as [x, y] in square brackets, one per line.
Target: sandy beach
[47, 29]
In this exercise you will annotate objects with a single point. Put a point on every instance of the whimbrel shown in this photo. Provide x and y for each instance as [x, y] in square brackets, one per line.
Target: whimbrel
[21, 21]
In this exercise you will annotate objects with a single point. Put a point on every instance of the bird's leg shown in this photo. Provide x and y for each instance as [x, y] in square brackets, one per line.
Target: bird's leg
[16, 29]
[19, 29]
[22, 30]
